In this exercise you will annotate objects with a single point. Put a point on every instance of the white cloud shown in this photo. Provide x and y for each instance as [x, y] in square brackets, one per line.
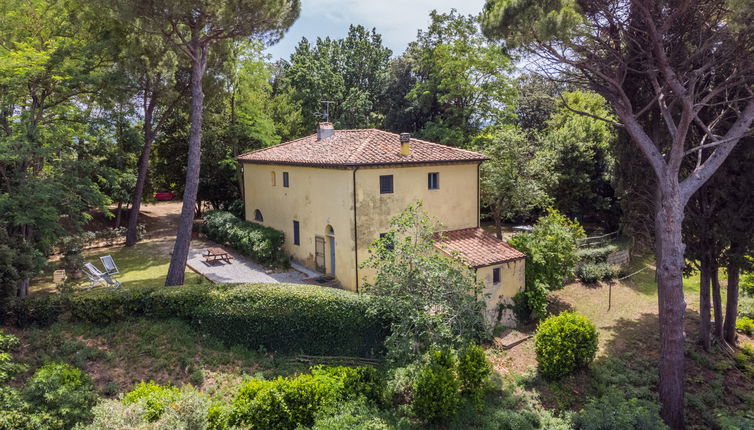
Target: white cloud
[396, 20]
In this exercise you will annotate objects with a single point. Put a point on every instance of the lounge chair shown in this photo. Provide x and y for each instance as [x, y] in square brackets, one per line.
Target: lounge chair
[100, 276]
[94, 281]
[110, 267]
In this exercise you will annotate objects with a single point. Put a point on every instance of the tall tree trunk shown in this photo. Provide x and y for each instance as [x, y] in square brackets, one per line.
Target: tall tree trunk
[23, 288]
[670, 263]
[119, 213]
[717, 301]
[177, 267]
[704, 304]
[498, 221]
[731, 307]
[141, 177]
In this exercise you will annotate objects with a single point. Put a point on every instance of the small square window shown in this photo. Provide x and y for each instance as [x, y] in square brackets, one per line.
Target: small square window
[386, 184]
[296, 234]
[285, 179]
[433, 181]
[496, 276]
[389, 244]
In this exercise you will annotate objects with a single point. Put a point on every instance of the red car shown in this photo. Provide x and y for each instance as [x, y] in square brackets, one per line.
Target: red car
[164, 196]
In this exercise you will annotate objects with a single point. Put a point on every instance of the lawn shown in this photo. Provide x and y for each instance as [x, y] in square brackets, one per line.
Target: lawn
[625, 313]
[145, 264]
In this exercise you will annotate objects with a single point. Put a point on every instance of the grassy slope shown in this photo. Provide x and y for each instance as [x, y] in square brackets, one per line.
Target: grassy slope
[629, 351]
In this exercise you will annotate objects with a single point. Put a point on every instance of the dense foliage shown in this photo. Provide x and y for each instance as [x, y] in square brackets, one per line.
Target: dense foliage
[551, 257]
[262, 244]
[431, 300]
[63, 391]
[565, 343]
[311, 319]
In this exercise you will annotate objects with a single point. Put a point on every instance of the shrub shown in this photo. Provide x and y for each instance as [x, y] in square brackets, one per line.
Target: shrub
[614, 411]
[8, 368]
[17, 414]
[283, 403]
[473, 372]
[356, 381]
[154, 398]
[745, 325]
[551, 257]
[596, 255]
[263, 244]
[312, 319]
[593, 272]
[63, 391]
[436, 389]
[354, 415]
[42, 310]
[747, 284]
[188, 410]
[564, 343]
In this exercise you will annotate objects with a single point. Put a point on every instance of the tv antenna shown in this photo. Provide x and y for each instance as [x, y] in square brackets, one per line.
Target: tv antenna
[326, 114]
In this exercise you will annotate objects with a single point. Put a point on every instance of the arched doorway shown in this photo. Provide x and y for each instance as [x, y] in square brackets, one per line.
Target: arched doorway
[330, 235]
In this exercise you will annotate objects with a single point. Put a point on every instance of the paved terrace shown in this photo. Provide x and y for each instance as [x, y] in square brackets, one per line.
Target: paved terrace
[242, 270]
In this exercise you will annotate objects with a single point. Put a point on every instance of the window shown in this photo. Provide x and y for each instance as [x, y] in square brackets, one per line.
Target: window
[258, 215]
[285, 179]
[386, 184]
[496, 276]
[296, 234]
[389, 244]
[433, 181]
[272, 177]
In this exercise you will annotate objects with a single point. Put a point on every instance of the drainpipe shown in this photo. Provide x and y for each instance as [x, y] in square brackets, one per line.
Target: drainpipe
[478, 195]
[355, 231]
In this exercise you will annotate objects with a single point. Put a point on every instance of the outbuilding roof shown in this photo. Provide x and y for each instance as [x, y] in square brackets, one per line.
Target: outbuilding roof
[358, 148]
[477, 247]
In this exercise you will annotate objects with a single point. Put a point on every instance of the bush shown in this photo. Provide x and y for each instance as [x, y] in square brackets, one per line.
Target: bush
[745, 325]
[593, 272]
[284, 403]
[42, 310]
[310, 319]
[550, 257]
[596, 255]
[262, 244]
[359, 381]
[354, 415]
[8, 368]
[63, 391]
[436, 388]
[564, 343]
[183, 408]
[614, 411]
[473, 372]
[154, 398]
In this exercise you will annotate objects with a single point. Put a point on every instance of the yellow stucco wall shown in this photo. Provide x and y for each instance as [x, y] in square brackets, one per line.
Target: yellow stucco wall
[455, 204]
[511, 282]
[315, 198]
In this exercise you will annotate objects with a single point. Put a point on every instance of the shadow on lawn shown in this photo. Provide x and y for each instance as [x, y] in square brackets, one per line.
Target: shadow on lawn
[628, 362]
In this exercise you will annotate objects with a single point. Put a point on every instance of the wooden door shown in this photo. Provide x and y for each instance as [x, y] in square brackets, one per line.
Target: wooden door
[319, 253]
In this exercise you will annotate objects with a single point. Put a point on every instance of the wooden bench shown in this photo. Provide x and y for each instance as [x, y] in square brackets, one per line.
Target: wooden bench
[214, 254]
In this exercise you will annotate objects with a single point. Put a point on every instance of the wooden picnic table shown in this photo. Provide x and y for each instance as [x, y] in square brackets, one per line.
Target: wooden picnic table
[214, 254]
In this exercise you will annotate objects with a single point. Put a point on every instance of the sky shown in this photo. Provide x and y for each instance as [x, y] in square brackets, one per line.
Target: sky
[396, 20]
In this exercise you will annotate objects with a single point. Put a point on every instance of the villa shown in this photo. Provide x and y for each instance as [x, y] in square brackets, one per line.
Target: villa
[335, 191]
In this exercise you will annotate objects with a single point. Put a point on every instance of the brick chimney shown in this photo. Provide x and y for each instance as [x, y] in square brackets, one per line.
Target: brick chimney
[325, 130]
[405, 143]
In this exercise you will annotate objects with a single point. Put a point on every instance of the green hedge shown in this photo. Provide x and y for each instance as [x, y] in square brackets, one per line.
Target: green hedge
[596, 255]
[263, 244]
[308, 318]
[281, 317]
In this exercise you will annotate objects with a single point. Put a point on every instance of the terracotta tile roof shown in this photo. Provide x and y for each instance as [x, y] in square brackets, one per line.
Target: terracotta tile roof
[477, 247]
[355, 148]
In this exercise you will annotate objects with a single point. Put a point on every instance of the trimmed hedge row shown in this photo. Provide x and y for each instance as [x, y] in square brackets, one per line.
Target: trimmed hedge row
[281, 317]
[263, 244]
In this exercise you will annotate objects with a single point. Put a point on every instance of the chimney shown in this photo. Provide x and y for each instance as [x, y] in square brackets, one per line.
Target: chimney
[325, 130]
[405, 143]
